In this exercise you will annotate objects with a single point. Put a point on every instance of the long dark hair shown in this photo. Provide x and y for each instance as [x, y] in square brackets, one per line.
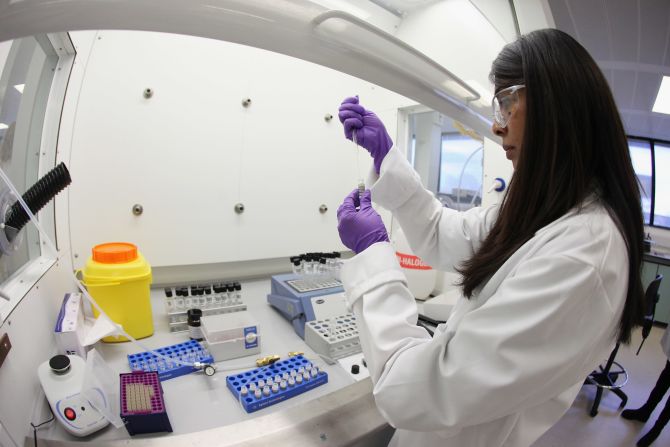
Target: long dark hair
[573, 140]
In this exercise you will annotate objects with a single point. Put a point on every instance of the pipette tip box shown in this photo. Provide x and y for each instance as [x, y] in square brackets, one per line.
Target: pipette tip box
[190, 351]
[286, 371]
[142, 405]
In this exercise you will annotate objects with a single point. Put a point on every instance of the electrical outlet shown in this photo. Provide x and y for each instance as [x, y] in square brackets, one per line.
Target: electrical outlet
[5, 347]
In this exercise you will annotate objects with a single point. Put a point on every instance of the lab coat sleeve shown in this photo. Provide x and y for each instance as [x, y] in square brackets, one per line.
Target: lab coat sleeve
[442, 237]
[534, 338]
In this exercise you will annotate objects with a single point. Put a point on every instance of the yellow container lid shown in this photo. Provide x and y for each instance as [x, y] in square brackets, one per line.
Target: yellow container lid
[120, 261]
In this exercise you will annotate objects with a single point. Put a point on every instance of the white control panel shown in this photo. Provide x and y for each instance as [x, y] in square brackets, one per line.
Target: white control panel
[62, 378]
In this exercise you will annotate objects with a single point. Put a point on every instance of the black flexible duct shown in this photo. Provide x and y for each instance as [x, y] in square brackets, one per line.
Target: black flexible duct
[37, 196]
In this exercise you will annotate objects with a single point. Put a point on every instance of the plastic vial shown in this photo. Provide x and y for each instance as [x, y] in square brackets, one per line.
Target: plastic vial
[291, 381]
[277, 378]
[244, 391]
[282, 384]
[266, 391]
[257, 393]
[252, 386]
[180, 304]
[275, 387]
[293, 373]
[261, 383]
[313, 372]
[298, 379]
[194, 329]
[305, 376]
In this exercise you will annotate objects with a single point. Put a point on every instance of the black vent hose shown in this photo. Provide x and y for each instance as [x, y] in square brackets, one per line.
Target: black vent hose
[37, 196]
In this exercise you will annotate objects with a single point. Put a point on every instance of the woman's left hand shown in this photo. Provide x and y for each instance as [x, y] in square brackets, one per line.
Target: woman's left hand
[362, 227]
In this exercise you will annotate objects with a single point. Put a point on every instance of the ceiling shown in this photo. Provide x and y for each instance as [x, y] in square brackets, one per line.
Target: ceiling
[630, 40]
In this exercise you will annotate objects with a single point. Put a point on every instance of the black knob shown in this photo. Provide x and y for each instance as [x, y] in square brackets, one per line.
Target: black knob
[60, 364]
[355, 369]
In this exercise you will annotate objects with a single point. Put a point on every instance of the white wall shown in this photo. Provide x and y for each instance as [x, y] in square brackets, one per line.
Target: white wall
[191, 152]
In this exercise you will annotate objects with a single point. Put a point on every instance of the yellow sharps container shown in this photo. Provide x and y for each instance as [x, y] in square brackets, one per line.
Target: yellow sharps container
[119, 279]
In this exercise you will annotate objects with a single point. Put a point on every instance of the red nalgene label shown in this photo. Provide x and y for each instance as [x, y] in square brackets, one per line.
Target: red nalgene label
[411, 262]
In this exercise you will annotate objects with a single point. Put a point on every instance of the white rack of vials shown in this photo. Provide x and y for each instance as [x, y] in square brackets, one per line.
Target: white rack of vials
[211, 299]
[333, 338]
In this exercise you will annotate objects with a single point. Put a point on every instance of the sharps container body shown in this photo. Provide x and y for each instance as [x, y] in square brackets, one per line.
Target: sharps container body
[119, 279]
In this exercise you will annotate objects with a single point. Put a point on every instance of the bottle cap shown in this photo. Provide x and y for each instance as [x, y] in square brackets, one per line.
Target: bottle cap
[114, 253]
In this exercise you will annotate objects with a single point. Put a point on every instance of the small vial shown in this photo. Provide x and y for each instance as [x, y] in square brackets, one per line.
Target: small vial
[305, 376]
[301, 370]
[293, 373]
[266, 391]
[291, 381]
[275, 387]
[244, 391]
[298, 379]
[180, 304]
[361, 188]
[313, 372]
[257, 393]
[261, 383]
[238, 293]
[284, 376]
[231, 294]
[252, 386]
[277, 378]
[282, 384]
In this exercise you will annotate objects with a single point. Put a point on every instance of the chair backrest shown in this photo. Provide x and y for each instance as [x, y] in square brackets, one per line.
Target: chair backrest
[651, 295]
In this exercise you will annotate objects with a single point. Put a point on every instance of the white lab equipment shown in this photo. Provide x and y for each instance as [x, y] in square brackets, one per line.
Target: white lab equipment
[421, 277]
[232, 335]
[62, 379]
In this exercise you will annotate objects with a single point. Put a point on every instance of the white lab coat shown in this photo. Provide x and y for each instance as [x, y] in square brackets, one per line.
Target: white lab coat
[509, 362]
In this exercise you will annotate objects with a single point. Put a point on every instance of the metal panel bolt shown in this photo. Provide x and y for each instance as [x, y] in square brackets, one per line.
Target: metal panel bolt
[239, 208]
[148, 93]
[246, 102]
[138, 209]
[328, 117]
[323, 208]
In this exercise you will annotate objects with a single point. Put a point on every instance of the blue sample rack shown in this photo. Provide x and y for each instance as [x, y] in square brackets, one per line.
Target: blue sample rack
[269, 374]
[190, 351]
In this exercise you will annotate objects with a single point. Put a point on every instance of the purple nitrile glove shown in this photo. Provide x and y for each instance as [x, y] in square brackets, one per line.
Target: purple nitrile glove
[370, 131]
[359, 228]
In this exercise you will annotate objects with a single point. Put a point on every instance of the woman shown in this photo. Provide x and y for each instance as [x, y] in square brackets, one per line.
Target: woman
[550, 277]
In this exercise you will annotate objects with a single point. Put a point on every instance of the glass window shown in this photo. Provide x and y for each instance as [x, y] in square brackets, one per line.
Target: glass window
[26, 77]
[461, 171]
[662, 184]
[640, 154]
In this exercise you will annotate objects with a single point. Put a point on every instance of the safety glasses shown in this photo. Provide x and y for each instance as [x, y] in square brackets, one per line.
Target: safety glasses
[505, 103]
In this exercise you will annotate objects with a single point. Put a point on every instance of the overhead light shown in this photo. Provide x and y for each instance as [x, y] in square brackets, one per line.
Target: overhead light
[3, 126]
[662, 104]
[19, 87]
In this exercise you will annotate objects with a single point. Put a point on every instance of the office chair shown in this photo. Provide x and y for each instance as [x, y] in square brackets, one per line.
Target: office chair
[607, 376]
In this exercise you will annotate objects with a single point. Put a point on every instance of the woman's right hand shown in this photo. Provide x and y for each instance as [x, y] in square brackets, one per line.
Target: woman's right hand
[367, 128]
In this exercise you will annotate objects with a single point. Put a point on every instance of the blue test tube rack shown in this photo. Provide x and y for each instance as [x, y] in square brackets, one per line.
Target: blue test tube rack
[268, 375]
[190, 351]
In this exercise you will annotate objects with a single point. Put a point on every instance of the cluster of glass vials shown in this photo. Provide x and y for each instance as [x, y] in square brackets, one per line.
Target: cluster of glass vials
[203, 297]
[316, 264]
[282, 382]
